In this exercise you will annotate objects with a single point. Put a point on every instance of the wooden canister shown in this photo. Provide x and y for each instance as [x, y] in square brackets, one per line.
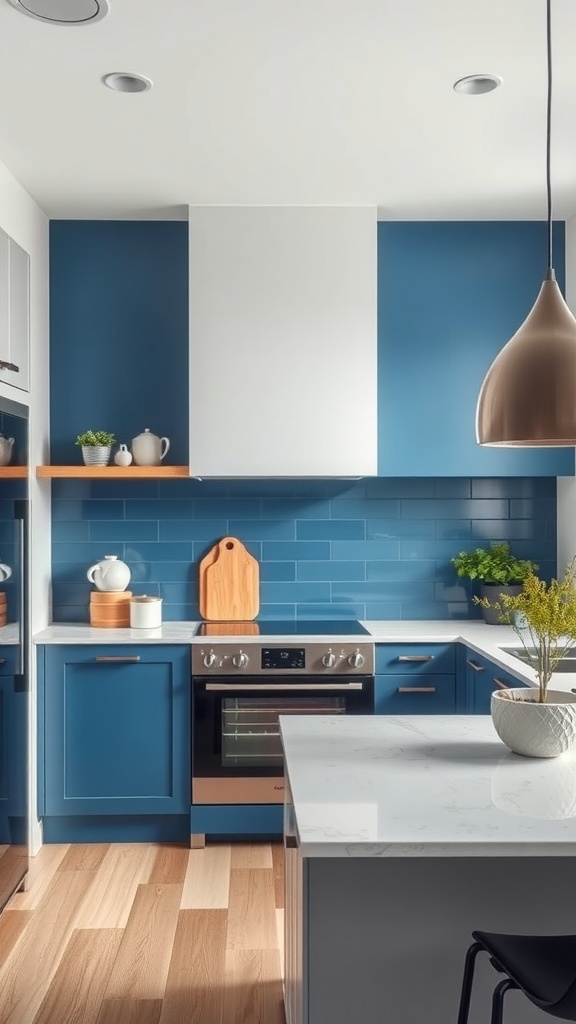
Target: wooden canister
[3, 609]
[110, 609]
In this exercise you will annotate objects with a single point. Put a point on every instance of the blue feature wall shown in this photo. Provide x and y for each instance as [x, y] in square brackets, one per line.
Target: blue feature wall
[376, 549]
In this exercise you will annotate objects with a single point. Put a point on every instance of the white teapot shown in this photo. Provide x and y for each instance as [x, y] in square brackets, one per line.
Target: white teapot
[5, 572]
[110, 574]
[148, 449]
[6, 444]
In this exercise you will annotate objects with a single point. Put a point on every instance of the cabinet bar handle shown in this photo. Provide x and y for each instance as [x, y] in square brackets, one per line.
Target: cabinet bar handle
[501, 684]
[118, 657]
[416, 657]
[9, 366]
[475, 665]
[416, 689]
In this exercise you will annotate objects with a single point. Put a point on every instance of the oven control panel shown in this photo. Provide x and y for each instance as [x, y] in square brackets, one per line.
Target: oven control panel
[283, 657]
[329, 658]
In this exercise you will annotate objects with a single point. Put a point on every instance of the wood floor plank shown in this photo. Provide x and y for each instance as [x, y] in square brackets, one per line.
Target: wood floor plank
[40, 874]
[28, 972]
[170, 865]
[251, 855]
[130, 1011]
[84, 857]
[253, 992]
[124, 867]
[195, 986]
[207, 880]
[143, 960]
[12, 925]
[280, 937]
[77, 989]
[251, 918]
[278, 867]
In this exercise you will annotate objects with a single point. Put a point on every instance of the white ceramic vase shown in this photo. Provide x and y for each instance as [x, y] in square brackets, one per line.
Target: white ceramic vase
[96, 454]
[533, 729]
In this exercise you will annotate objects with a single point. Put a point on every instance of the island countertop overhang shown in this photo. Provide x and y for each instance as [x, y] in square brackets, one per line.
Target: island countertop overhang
[424, 786]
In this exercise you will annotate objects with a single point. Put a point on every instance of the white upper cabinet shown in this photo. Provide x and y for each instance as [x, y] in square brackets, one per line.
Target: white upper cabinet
[14, 313]
[283, 341]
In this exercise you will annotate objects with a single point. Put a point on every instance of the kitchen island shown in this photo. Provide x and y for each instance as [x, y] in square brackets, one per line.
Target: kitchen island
[402, 835]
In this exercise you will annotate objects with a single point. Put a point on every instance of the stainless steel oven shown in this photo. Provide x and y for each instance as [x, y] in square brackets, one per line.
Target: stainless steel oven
[240, 690]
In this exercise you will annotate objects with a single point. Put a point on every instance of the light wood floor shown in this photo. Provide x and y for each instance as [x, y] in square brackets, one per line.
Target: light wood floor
[142, 934]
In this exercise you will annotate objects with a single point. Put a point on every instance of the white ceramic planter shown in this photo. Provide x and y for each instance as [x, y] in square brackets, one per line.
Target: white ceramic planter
[533, 729]
[96, 454]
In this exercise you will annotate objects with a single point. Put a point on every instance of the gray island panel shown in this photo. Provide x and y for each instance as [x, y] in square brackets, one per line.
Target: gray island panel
[403, 835]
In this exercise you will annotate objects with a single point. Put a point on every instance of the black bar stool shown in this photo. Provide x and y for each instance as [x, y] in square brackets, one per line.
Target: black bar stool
[543, 967]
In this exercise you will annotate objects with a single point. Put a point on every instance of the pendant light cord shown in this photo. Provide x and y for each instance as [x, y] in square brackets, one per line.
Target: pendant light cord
[548, 130]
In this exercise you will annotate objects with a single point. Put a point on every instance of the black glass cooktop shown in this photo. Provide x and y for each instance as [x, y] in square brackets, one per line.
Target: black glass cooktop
[284, 627]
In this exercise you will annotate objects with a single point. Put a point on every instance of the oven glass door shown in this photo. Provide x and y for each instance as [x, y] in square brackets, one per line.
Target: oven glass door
[250, 731]
[236, 731]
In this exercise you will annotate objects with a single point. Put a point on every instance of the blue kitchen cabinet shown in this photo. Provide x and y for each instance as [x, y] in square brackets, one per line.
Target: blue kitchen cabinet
[415, 679]
[482, 677]
[450, 295]
[115, 724]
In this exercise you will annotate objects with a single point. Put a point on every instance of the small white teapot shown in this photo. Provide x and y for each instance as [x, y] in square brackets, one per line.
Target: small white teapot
[148, 449]
[5, 572]
[111, 574]
[6, 444]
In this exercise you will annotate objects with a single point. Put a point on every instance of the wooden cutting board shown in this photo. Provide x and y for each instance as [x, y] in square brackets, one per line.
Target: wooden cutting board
[229, 583]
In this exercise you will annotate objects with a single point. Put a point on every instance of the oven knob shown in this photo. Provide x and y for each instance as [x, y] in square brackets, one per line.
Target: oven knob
[356, 660]
[240, 660]
[329, 660]
[209, 659]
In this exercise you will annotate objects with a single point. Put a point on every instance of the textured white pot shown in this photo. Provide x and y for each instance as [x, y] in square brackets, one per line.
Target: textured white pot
[533, 729]
[96, 454]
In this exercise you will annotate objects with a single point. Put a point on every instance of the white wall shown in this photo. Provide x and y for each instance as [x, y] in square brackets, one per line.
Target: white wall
[566, 486]
[25, 222]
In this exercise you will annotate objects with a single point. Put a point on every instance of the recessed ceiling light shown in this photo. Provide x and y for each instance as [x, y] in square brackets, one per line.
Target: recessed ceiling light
[64, 12]
[123, 81]
[474, 85]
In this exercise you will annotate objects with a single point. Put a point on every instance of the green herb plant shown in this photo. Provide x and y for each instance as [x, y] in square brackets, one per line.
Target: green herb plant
[543, 615]
[495, 564]
[91, 438]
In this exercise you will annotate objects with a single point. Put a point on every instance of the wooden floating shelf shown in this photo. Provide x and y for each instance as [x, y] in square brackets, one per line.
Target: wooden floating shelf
[114, 472]
[14, 472]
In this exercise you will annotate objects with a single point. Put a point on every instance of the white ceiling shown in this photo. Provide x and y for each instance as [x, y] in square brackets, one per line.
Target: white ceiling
[292, 102]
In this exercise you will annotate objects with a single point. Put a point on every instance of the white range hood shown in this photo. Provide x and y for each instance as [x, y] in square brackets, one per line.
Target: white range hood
[283, 341]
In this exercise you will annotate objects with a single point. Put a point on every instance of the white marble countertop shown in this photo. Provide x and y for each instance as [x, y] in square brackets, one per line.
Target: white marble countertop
[482, 638]
[424, 786]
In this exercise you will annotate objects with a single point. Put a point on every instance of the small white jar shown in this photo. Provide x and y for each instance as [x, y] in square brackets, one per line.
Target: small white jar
[123, 457]
[145, 612]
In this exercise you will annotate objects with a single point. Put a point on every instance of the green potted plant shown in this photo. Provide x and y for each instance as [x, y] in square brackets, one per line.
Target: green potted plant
[537, 721]
[499, 572]
[96, 446]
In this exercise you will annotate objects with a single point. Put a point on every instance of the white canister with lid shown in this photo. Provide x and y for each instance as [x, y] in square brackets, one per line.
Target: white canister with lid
[145, 612]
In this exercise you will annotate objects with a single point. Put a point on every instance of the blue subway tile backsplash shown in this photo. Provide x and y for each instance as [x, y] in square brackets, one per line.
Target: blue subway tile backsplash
[368, 549]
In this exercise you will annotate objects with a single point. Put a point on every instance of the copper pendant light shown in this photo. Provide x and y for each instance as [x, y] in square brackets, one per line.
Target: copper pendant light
[528, 397]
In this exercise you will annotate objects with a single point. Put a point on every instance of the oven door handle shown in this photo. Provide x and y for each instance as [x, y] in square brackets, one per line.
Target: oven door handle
[264, 688]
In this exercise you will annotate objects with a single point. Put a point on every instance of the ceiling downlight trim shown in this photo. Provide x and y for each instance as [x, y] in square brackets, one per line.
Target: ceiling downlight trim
[63, 12]
[126, 81]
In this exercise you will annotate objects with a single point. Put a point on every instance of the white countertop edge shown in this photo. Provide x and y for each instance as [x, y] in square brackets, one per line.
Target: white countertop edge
[381, 851]
[479, 636]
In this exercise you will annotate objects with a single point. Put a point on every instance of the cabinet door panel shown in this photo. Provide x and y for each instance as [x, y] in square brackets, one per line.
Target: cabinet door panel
[482, 678]
[399, 695]
[117, 732]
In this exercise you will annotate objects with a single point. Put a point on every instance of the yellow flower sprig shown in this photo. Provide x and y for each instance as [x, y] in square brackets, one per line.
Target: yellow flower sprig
[549, 610]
